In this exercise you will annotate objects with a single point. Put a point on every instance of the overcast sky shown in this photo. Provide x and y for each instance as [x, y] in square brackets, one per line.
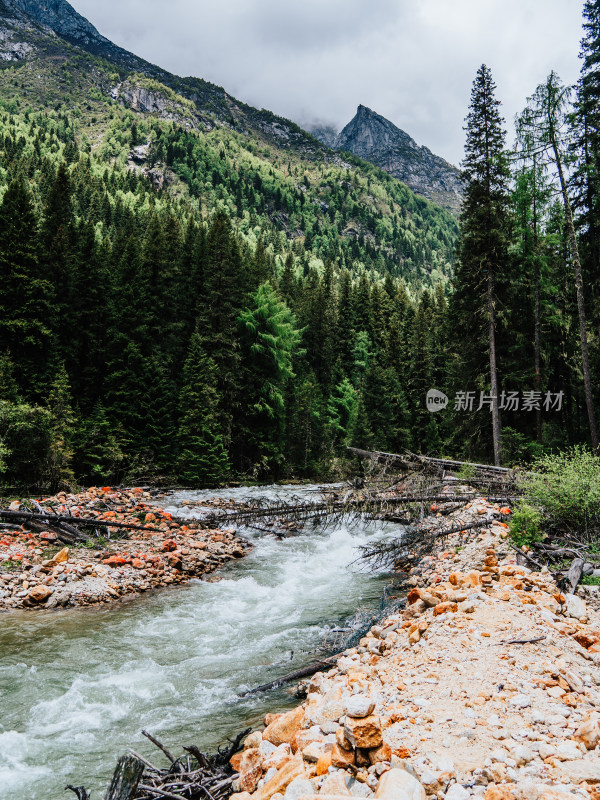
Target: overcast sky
[315, 60]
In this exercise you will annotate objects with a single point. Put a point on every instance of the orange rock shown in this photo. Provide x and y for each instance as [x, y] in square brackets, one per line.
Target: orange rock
[137, 563]
[250, 769]
[365, 732]
[269, 718]
[455, 578]
[235, 761]
[499, 792]
[283, 730]
[304, 737]
[587, 638]
[39, 594]
[474, 578]
[413, 596]
[341, 757]
[382, 753]
[402, 752]
[442, 608]
[324, 763]
[280, 782]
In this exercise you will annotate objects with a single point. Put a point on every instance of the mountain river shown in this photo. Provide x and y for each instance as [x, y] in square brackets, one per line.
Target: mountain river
[78, 686]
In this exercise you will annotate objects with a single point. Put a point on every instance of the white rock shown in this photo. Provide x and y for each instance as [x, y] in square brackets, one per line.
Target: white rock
[576, 607]
[546, 750]
[522, 755]
[299, 787]
[494, 721]
[457, 792]
[520, 701]
[359, 706]
[397, 784]
[568, 751]
[270, 773]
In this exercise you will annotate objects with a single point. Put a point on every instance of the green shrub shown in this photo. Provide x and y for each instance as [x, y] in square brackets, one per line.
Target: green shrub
[526, 525]
[567, 487]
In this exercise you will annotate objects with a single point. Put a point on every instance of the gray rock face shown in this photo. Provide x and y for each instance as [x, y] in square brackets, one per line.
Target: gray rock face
[376, 139]
[61, 17]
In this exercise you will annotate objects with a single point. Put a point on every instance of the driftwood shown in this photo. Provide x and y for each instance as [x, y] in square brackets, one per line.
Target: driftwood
[125, 779]
[194, 776]
[574, 574]
[305, 672]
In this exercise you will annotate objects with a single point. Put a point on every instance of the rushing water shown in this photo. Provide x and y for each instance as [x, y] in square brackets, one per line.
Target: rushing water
[78, 686]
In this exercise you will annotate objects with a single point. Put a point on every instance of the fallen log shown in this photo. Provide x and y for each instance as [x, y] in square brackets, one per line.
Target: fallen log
[50, 520]
[410, 458]
[305, 672]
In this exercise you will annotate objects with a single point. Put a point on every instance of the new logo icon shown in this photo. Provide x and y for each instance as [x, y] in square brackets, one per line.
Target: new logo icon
[436, 401]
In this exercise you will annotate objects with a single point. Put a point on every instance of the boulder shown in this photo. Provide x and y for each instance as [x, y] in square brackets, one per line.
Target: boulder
[364, 733]
[341, 758]
[335, 784]
[589, 732]
[359, 706]
[39, 594]
[250, 769]
[283, 729]
[581, 770]
[397, 784]
[576, 607]
[299, 787]
[283, 778]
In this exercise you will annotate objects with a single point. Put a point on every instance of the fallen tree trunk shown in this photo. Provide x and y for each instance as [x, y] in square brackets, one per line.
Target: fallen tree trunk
[305, 672]
[53, 519]
[409, 459]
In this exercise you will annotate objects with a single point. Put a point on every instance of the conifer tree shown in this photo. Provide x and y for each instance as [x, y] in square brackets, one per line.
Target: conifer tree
[25, 294]
[483, 245]
[203, 458]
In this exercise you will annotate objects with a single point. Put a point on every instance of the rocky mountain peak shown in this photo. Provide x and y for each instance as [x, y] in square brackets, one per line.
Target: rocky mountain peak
[376, 139]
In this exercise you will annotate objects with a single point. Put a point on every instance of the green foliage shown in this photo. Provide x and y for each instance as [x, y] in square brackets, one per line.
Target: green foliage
[525, 525]
[567, 486]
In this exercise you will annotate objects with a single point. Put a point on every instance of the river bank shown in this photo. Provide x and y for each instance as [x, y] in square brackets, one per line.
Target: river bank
[37, 571]
[486, 685]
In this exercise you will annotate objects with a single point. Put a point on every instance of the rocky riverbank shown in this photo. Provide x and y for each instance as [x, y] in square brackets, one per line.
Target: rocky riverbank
[37, 571]
[486, 685]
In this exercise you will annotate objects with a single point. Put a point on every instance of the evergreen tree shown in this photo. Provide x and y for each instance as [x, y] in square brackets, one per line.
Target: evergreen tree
[25, 294]
[483, 245]
[203, 458]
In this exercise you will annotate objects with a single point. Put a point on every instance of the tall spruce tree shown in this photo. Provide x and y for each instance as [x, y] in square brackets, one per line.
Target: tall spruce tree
[25, 293]
[548, 123]
[483, 244]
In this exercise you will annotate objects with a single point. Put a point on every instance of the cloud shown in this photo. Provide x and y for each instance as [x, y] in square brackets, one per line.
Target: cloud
[411, 60]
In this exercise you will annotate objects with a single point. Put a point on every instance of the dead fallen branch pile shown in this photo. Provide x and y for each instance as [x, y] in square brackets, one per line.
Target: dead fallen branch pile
[194, 776]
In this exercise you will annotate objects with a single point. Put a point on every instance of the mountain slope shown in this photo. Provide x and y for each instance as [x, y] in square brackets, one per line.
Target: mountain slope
[194, 140]
[376, 139]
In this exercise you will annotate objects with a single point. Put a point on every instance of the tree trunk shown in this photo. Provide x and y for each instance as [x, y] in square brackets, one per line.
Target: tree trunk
[124, 782]
[496, 432]
[587, 380]
[538, 326]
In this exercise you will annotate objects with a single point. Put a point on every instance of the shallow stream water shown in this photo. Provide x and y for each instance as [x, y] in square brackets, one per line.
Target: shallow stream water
[78, 686]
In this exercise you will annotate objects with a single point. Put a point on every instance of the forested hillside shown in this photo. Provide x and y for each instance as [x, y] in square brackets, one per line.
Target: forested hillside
[195, 291]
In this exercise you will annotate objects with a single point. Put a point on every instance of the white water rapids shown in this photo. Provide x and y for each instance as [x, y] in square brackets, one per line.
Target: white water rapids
[78, 686]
